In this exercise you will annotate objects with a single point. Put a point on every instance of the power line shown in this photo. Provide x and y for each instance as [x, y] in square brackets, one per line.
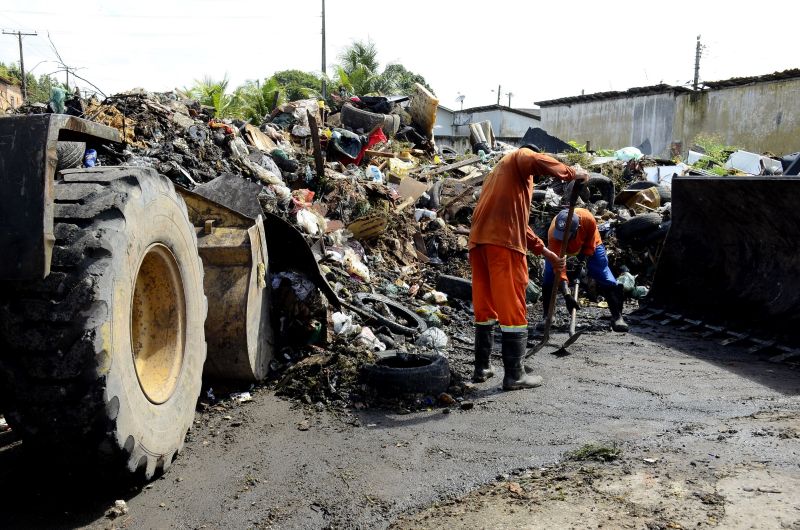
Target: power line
[19, 35]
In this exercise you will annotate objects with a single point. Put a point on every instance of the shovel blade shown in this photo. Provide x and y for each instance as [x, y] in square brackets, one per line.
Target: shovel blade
[570, 341]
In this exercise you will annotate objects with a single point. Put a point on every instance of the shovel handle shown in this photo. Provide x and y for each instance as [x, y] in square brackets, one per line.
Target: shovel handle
[573, 199]
[574, 315]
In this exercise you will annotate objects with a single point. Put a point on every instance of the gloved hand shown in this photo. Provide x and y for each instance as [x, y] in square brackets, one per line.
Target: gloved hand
[579, 270]
[568, 298]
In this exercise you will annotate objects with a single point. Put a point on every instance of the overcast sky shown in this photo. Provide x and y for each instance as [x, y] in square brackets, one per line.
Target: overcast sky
[535, 50]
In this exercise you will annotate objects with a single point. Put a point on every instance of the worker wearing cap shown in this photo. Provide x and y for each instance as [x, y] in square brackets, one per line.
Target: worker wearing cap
[586, 244]
[498, 241]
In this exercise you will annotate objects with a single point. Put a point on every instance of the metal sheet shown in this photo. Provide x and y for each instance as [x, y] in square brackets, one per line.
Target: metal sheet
[731, 252]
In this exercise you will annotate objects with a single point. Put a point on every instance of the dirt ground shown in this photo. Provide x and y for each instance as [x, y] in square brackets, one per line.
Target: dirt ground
[704, 435]
[644, 487]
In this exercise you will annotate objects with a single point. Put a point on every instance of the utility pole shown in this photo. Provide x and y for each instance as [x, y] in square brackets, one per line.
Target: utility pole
[324, 81]
[19, 35]
[697, 53]
[509, 98]
[498, 94]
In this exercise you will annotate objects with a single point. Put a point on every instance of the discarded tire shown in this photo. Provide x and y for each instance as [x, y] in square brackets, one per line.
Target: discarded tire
[104, 357]
[355, 118]
[638, 227]
[657, 235]
[539, 195]
[454, 287]
[435, 193]
[70, 155]
[393, 375]
[601, 188]
[403, 320]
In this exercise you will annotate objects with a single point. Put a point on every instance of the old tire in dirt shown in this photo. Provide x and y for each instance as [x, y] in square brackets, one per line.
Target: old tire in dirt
[394, 375]
[102, 360]
[403, 320]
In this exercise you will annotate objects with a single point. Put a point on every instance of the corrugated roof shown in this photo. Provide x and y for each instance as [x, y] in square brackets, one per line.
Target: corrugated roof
[663, 88]
[522, 112]
[631, 92]
[737, 81]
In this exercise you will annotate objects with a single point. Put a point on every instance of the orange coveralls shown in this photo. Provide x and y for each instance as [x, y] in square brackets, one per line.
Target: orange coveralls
[500, 235]
[585, 241]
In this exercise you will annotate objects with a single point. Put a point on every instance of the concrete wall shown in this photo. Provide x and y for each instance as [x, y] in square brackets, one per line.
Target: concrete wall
[759, 117]
[614, 123]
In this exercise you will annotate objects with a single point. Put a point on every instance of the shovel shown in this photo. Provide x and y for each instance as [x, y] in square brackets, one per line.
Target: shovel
[573, 198]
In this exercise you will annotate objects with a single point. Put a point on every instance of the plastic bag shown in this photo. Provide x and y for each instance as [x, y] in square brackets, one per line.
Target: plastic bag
[311, 222]
[628, 282]
[628, 153]
[433, 338]
[374, 174]
[368, 338]
[342, 323]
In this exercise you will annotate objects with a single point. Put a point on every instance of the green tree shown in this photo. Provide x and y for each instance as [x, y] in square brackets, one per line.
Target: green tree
[403, 79]
[213, 93]
[258, 99]
[38, 88]
[360, 54]
[297, 84]
[358, 72]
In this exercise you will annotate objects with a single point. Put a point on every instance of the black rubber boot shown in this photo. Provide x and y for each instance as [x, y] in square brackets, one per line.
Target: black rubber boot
[484, 339]
[616, 300]
[514, 348]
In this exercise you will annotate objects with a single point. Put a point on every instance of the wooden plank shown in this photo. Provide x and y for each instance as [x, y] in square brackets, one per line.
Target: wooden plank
[454, 165]
[383, 154]
[318, 160]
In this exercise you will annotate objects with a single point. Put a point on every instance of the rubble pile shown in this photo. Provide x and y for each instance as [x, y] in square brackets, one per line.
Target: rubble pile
[386, 214]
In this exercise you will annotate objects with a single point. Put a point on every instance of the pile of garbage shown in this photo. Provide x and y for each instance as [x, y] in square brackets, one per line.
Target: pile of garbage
[387, 215]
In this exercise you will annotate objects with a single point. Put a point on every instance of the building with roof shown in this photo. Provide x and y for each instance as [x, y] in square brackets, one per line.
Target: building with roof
[508, 124]
[10, 94]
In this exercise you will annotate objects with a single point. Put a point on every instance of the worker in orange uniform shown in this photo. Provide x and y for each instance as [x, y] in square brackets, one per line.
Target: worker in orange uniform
[586, 244]
[499, 237]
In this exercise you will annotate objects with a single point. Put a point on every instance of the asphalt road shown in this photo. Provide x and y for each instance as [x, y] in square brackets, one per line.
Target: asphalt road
[250, 466]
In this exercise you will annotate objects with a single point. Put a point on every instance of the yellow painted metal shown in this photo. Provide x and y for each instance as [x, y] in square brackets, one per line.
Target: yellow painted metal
[235, 263]
[158, 323]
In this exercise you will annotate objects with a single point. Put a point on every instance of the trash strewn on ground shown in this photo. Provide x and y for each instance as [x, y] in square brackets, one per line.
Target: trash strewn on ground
[386, 215]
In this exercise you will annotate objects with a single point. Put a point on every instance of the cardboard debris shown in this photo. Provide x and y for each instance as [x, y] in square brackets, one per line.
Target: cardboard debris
[258, 139]
[368, 227]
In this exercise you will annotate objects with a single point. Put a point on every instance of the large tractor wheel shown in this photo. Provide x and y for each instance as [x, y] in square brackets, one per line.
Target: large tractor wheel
[104, 357]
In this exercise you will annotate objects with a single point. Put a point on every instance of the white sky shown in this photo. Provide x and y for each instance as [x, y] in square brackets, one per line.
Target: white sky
[535, 50]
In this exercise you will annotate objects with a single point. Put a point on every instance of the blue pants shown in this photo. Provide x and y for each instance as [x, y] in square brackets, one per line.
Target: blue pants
[596, 267]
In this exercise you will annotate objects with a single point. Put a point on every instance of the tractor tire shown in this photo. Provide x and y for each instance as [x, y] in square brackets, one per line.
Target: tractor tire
[101, 361]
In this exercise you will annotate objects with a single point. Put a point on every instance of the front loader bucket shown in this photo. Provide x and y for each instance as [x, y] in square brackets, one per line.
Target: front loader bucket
[731, 255]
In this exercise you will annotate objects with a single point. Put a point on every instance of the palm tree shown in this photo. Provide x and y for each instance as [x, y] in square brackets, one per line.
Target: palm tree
[360, 54]
[358, 72]
[212, 93]
[257, 99]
